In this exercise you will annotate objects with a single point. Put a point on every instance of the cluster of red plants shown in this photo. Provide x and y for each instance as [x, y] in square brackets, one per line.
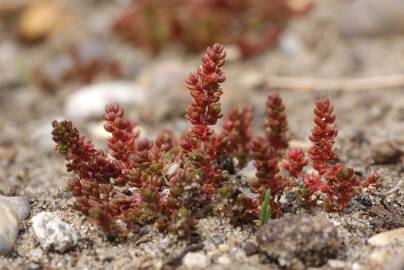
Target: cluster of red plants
[253, 25]
[172, 182]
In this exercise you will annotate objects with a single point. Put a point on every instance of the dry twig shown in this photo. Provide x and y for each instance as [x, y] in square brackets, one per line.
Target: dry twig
[352, 84]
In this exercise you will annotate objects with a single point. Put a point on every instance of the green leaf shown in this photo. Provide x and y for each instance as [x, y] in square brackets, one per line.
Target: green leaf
[265, 214]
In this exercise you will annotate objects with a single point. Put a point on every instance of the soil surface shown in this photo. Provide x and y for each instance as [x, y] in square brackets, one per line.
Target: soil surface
[313, 46]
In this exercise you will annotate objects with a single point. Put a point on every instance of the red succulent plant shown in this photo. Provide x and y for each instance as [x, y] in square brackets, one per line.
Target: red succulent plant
[237, 134]
[294, 162]
[172, 183]
[276, 125]
[323, 136]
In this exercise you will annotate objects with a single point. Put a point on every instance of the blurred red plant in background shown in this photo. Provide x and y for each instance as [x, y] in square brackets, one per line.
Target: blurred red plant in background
[252, 25]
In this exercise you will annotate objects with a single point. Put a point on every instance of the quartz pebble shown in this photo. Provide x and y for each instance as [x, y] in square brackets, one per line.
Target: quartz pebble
[336, 264]
[12, 211]
[223, 260]
[357, 266]
[171, 169]
[195, 260]
[52, 233]
[233, 53]
[249, 171]
[90, 101]
[252, 80]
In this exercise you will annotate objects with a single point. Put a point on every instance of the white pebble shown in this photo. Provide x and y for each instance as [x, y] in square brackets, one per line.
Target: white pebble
[171, 169]
[195, 260]
[233, 53]
[357, 266]
[52, 233]
[336, 264]
[249, 171]
[90, 101]
[291, 44]
[223, 260]
[252, 80]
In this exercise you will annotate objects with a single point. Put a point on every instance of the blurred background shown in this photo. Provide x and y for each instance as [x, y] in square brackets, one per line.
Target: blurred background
[66, 59]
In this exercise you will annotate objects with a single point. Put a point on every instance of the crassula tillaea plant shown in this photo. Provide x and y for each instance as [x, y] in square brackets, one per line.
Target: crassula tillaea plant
[174, 181]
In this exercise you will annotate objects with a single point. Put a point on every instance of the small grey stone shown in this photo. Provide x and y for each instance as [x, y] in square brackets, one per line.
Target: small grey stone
[299, 241]
[215, 240]
[12, 211]
[52, 233]
[250, 249]
[8, 228]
